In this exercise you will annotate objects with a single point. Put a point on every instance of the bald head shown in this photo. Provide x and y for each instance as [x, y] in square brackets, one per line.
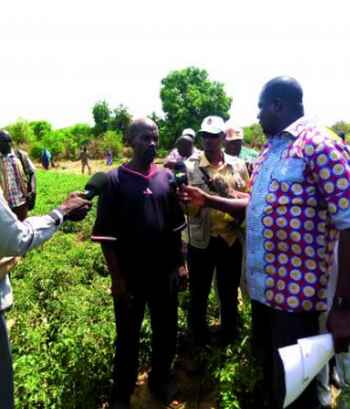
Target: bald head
[143, 136]
[280, 104]
[287, 89]
[138, 126]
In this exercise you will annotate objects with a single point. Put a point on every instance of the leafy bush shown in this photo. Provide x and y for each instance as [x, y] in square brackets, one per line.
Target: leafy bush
[40, 129]
[234, 371]
[254, 136]
[21, 132]
[113, 140]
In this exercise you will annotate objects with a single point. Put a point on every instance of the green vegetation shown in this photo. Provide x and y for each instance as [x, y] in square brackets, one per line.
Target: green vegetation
[62, 323]
[63, 330]
[187, 96]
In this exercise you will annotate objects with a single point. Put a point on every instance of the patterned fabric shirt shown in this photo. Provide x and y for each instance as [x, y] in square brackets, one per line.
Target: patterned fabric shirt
[14, 180]
[299, 200]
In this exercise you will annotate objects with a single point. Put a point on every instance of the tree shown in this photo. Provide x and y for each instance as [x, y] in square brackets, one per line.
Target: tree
[254, 136]
[81, 133]
[102, 117]
[40, 128]
[188, 96]
[121, 119]
[21, 131]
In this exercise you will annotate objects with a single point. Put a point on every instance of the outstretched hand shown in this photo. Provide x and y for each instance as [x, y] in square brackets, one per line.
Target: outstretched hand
[192, 195]
[75, 207]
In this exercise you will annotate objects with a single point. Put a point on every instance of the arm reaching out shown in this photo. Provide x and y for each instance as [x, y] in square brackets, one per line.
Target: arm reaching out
[198, 198]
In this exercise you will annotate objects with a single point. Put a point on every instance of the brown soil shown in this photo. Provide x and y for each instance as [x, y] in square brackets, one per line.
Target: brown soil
[75, 166]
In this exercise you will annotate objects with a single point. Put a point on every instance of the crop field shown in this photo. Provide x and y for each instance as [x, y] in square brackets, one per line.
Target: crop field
[62, 328]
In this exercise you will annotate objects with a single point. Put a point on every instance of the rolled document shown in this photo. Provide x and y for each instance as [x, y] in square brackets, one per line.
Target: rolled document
[302, 362]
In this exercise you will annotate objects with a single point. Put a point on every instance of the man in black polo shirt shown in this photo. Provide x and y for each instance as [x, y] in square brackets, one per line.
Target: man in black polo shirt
[139, 225]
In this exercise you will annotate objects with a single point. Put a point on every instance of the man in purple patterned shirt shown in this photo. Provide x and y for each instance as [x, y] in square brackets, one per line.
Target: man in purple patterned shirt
[299, 206]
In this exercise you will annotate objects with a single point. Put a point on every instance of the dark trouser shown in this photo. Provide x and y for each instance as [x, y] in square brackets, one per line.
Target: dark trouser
[129, 313]
[6, 375]
[201, 264]
[21, 211]
[273, 329]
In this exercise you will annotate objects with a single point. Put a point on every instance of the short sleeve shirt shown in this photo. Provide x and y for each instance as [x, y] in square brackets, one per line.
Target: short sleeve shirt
[226, 179]
[140, 214]
[300, 199]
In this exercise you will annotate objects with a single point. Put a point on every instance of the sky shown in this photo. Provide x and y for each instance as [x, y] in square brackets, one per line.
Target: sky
[58, 58]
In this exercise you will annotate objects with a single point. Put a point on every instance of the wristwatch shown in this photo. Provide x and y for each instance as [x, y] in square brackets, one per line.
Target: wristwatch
[57, 216]
[341, 303]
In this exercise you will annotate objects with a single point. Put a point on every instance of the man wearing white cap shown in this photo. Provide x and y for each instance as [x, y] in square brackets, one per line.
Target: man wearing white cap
[184, 148]
[214, 242]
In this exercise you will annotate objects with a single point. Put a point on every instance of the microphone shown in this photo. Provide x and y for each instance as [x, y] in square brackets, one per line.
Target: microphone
[180, 174]
[181, 179]
[95, 185]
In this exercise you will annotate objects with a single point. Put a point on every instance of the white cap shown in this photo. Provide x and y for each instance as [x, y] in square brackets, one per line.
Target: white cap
[212, 124]
[189, 132]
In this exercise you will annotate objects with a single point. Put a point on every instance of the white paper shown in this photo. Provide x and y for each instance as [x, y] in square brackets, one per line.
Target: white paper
[303, 361]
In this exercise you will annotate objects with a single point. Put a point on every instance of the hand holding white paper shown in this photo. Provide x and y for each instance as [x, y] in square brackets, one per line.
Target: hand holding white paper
[303, 361]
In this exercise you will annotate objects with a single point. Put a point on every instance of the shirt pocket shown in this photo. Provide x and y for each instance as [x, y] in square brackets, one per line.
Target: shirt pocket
[289, 170]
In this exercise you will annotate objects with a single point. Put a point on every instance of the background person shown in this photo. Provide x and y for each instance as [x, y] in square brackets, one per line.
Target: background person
[234, 136]
[233, 139]
[84, 158]
[109, 157]
[214, 242]
[342, 136]
[184, 148]
[46, 158]
[17, 177]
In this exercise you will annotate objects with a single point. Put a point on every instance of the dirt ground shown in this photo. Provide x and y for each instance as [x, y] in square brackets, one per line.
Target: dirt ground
[75, 166]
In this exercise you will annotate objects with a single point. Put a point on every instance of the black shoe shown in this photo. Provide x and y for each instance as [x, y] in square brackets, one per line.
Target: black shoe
[164, 392]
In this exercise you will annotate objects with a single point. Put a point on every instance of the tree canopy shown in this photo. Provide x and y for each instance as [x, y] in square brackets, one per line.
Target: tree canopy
[102, 116]
[188, 96]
